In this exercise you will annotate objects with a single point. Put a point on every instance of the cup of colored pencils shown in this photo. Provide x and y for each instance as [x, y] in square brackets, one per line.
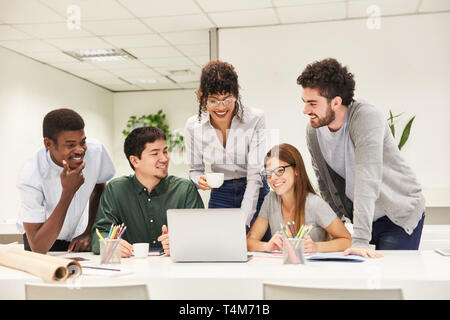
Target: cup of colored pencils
[293, 243]
[110, 250]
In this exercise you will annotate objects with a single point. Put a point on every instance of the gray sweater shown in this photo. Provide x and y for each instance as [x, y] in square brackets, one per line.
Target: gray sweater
[382, 177]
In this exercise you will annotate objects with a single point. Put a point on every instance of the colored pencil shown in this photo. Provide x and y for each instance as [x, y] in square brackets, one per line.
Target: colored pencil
[100, 235]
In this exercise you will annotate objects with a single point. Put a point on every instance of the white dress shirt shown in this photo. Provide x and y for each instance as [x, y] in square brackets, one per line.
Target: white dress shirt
[243, 155]
[40, 189]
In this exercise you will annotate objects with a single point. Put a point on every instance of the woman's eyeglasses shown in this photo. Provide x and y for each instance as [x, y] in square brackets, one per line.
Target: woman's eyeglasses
[213, 103]
[279, 171]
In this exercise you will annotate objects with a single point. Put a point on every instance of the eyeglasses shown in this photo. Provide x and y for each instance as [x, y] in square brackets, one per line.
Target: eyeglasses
[215, 103]
[279, 171]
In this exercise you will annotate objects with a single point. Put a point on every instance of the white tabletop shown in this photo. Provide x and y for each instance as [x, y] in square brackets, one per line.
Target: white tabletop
[421, 275]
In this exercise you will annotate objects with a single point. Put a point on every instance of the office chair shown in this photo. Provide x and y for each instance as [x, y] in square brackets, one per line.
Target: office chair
[288, 292]
[42, 291]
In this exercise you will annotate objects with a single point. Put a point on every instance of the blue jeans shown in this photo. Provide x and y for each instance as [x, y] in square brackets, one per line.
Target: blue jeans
[230, 195]
[386, 235]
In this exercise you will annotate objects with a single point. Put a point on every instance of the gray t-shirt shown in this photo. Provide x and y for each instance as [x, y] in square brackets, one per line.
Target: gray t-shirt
[339, 152]
[317, 213]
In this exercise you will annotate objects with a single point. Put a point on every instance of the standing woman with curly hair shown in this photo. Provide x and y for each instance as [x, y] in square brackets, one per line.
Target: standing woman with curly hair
[229, 137]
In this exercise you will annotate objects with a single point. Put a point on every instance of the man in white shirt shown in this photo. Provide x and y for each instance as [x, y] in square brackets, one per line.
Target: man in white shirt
[57, 183]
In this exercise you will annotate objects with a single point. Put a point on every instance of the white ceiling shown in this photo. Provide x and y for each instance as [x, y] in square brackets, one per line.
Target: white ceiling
[165, 36]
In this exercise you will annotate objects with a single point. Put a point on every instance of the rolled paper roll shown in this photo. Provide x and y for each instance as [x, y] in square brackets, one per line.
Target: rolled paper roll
[72, 267]
[46, 270]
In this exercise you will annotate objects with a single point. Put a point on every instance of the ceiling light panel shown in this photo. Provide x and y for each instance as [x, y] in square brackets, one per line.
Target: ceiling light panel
[101, 55]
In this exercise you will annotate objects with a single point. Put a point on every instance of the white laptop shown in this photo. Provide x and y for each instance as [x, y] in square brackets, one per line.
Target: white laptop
[207, 235]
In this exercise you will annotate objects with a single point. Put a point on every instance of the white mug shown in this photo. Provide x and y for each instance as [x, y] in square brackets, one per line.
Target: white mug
[214, 179]
[140, 250]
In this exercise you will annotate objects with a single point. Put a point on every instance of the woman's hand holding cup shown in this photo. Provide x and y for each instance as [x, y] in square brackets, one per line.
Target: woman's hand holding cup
[203, 184]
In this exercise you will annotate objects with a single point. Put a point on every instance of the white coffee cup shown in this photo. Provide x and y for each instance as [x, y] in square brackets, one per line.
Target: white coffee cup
[140, 250]
[214, 179]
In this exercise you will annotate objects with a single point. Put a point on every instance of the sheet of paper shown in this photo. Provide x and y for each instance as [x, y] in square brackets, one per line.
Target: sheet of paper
[275, 254]
[336, 257]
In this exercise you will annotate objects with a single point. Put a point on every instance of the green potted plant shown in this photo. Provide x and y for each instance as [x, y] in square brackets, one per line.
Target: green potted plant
[175, 139]
[406, 130]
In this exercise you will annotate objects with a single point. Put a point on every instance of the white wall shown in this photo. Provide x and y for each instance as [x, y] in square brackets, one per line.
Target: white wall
[404, 66]
[28, 90]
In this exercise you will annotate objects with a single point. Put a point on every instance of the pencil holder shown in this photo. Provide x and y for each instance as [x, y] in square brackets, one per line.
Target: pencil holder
[110, 251]
[293, 251]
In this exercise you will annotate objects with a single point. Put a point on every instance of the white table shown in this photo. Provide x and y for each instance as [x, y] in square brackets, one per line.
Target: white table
[421, 275]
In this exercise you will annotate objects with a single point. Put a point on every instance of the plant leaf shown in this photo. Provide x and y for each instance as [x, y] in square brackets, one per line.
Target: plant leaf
[405, 134]
[392, 129]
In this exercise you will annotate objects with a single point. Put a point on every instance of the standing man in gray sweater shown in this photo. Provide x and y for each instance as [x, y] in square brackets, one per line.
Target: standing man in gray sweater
[360, 170]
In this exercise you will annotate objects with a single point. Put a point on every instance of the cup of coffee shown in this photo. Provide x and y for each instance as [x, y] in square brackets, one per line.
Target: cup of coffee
[214, 179]
[140, 250]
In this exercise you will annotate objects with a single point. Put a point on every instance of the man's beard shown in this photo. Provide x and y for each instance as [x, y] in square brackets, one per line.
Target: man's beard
[329, 117]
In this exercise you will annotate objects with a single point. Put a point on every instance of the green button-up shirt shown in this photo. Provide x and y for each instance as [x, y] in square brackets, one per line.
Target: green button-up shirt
[126, 200]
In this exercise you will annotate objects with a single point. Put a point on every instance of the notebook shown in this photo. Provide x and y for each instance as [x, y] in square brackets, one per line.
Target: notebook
[207, 235]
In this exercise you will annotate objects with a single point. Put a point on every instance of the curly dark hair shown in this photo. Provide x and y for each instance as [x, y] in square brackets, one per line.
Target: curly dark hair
[137, 139]
[330, 78]
[217, 77]
[61, 120]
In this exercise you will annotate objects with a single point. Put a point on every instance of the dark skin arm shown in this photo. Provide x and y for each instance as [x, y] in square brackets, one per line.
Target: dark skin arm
[42, 236]
[83, 241]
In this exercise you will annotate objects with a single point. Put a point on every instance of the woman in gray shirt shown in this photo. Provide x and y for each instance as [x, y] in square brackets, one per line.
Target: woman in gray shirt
[293, 199]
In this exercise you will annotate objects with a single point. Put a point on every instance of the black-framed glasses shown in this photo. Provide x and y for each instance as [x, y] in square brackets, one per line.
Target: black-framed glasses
[279, 171]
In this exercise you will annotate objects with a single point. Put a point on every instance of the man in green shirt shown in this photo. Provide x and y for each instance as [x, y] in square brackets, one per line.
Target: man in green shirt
[140, 201]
